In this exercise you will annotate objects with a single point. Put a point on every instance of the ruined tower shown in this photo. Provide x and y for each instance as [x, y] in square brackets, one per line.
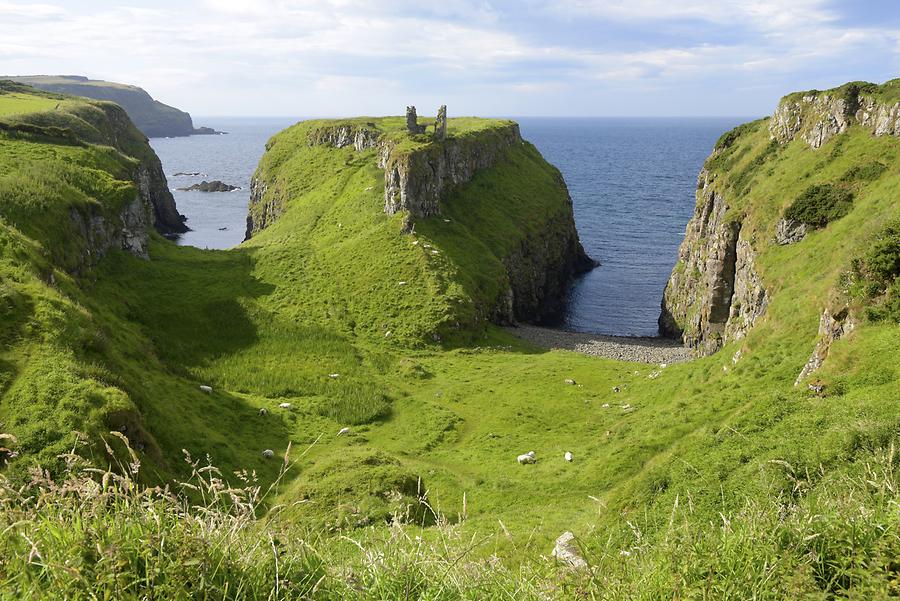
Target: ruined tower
[412, 121]
[440, 125]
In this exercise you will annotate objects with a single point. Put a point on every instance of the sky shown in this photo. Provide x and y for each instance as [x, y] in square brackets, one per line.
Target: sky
[480, 57]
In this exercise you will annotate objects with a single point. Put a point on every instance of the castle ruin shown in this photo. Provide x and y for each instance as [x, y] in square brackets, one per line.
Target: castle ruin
[440, 124]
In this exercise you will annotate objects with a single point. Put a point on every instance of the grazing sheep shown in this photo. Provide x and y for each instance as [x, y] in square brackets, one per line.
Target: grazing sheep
[284, 405]
[333, 376]
[206, 389]
[264, 412]
[568, 456]
[268, 453]
[570, 382]
[343, 431]
[526, 458]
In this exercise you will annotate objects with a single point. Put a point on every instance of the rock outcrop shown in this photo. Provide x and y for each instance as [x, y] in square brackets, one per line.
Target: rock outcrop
[100, 227]
[816, 117]
[789, 231]
[213, 186]
[831, 327]
[714, 294]
[414, 181]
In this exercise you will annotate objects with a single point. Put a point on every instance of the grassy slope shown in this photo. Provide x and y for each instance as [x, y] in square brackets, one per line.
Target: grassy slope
[315, 294]
[152, 117]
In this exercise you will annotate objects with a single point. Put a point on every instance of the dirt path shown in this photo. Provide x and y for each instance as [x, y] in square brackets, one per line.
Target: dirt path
[624, 348]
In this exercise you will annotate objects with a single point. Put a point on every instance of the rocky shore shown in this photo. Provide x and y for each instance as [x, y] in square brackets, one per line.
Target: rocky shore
[624, 348]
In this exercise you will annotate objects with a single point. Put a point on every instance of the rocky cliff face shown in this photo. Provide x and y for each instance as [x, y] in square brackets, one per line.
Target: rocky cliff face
[102, 226]
[540, 270]
[415, 181]
[816, 117]
[714, 295]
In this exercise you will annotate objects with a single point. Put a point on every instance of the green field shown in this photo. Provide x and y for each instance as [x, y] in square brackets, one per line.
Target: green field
[710, 479]
[12, 104]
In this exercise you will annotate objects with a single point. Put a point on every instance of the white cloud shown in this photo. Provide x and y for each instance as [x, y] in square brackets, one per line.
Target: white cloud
[321, 56]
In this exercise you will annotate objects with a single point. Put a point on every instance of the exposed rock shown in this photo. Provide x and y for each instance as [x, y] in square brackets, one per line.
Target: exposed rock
[816, 117]
[414, 181]
[831, 328]
[714, 293]
[789, 231]
[566, 551]
[213, 186]
[360, 138]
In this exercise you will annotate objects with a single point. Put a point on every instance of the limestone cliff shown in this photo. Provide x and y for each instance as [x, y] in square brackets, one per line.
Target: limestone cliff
[714, 294]
[415, 181]
[816, 117]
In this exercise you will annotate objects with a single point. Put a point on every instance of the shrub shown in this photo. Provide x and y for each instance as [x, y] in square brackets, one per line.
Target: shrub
[864, 173]
[875, 274]
[820, 204]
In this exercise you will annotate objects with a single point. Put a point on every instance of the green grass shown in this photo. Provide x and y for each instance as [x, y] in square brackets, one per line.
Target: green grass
[12, 104]
[722, 479]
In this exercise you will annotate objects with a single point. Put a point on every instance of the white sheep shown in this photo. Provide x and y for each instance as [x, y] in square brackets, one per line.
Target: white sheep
[343, 431]
[568, 456]
[526, 458]
[284, 405]
[206, 389]
[268, 453]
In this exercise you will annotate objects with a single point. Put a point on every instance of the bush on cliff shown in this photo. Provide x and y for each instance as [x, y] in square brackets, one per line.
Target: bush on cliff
[820, 204]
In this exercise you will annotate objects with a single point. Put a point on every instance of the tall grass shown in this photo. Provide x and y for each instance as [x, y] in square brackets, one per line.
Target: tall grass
[98, 535]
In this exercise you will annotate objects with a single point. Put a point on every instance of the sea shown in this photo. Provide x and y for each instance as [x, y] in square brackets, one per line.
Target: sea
[632, 182]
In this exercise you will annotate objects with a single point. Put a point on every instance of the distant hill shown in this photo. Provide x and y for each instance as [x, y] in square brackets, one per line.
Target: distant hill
[153, 118]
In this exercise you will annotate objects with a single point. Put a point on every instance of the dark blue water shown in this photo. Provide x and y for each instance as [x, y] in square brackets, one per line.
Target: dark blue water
[232, 159]
[632, 183]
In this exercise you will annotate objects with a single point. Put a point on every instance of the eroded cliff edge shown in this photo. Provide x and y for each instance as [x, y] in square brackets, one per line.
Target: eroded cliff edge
[127, 198]
[424, 180]
[715, 293]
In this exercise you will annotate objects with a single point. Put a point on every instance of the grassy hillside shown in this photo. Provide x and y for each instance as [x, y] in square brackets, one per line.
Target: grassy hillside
[716, 478]
[152, 117]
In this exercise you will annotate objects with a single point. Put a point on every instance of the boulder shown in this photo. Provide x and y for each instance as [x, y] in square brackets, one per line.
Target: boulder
[567, 552]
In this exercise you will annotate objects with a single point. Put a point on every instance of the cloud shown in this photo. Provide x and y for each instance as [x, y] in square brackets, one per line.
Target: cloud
[209, 54]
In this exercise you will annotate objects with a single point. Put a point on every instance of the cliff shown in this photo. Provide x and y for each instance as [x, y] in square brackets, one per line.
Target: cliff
[758, 189]
[432, 187]
[116, 207]
[153, 118]
[816, 117]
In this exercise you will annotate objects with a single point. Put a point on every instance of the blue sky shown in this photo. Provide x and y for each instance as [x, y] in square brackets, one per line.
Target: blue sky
[486, 57]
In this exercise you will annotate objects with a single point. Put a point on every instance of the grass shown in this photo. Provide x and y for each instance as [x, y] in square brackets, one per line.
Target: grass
[11, 104]
[723, 479]
[98, 534]
[152, 117]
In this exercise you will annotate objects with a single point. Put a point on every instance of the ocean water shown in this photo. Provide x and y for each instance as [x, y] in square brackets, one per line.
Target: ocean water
[632, 183]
